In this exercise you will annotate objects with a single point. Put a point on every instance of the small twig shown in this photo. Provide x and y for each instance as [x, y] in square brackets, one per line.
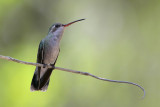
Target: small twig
[69, 70]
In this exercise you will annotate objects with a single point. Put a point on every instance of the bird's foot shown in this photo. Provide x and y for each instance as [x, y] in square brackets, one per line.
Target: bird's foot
[52, 66]
[44, 65]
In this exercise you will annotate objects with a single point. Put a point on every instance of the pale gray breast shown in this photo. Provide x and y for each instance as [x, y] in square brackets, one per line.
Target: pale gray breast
[51, 49]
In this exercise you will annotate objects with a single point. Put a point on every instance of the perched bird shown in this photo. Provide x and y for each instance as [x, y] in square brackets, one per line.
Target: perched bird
[47, 54]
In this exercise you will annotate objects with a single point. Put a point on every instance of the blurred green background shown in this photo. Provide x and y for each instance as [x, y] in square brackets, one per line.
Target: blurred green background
[119, 40]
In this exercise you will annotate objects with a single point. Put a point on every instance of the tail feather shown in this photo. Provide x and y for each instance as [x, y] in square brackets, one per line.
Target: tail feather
[42, 83]
[35, 83]
[45, 87]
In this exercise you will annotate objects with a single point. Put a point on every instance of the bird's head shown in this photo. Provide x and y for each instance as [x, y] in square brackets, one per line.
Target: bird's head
[58, 27]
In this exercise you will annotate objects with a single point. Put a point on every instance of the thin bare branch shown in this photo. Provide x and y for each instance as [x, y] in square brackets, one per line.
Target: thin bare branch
[69, 70]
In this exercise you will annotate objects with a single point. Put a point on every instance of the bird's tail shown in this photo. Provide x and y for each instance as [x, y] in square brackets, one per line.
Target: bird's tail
[41, 82]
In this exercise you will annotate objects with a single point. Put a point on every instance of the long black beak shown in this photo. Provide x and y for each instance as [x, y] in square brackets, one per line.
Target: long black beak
[66, 25]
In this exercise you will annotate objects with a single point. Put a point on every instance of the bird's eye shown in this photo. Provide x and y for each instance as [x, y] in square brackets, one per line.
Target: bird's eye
[57, 26]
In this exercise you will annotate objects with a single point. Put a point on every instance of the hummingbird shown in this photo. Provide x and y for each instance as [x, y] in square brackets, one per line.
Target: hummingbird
[48, 52]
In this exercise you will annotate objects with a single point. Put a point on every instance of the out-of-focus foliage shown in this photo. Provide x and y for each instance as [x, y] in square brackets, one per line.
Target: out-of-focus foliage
[119, 40]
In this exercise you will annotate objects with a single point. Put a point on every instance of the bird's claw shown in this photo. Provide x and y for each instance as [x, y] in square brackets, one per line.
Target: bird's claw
[44, 65]
[52, 66]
